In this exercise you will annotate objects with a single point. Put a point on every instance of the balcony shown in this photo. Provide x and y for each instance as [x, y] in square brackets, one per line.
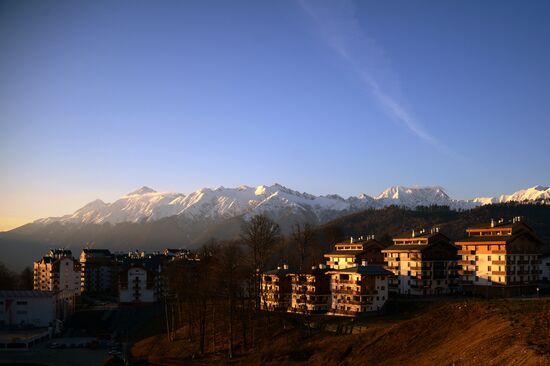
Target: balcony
[499, 263]
[355, 302]
[498, 251]
[347, 282]
[347, 291]
[467, 252]
[421, 268]
[498, 273]
[467, 262]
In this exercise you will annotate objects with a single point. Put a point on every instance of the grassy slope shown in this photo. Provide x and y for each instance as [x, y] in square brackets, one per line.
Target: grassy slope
[500, 332]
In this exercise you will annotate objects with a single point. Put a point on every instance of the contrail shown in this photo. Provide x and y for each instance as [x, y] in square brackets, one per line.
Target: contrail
[337, 22]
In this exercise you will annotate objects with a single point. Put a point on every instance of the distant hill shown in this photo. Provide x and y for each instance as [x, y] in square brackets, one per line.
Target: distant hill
[393, 220]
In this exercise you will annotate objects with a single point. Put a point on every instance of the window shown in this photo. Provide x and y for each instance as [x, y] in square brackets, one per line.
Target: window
[21, 303]
[489, 258]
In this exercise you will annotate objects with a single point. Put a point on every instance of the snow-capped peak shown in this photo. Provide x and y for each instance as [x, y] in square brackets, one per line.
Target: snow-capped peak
[142, 190]
[276, 200]
[400, 192]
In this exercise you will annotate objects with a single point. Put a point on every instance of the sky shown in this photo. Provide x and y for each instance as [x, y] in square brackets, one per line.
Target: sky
[98, 98]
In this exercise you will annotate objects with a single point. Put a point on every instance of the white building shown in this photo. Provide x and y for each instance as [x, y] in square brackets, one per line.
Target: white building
[58, 271]
[27, 308]
[137, 285]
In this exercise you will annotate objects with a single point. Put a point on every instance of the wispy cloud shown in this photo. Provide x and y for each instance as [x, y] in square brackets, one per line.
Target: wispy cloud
[339, 27]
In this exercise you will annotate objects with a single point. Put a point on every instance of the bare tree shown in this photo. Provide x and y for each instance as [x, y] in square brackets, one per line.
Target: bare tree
[260, 235]
[303, 236]
[26, 279]
[231, 281]
[8, 279]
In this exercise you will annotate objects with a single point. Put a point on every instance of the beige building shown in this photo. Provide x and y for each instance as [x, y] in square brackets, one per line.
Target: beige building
[350, 254]
[423, 263]
[500, 257]
[310, 291]
[358, 289]
[58, 271]
[276, 289]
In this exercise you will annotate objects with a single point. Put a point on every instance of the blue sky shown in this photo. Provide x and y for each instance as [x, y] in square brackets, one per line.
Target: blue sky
[99, 98]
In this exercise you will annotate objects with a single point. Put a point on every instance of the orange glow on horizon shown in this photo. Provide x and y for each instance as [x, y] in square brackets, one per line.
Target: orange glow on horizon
[8, 223]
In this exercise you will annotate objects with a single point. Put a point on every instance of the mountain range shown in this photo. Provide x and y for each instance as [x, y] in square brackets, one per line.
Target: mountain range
[276, 201]
[151, 220]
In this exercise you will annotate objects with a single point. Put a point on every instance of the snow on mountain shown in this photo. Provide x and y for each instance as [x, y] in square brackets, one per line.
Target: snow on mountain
[420, 196]
[275, 200]
[535, 193]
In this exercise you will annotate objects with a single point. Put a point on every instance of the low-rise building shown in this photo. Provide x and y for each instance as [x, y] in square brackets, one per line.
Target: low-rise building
[500, 258]
[28, 308]
[423, 263]
[359, 289]
[350, 254]
[276, 289]
[310, 291]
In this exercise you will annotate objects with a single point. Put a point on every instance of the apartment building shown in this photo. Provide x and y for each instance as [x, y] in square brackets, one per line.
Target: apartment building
[500, 258]
[545, 268]
[276, 289]
[98, 272]
[423, 263]
[359, 289]
[350, 254]
[137, 284]
[58, 271]
[310, 291]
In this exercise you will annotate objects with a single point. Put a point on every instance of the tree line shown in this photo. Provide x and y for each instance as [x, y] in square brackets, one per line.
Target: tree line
[216, 302]
[11, 280]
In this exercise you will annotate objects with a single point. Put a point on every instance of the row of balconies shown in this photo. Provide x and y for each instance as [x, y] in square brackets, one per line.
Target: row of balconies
[350, 282]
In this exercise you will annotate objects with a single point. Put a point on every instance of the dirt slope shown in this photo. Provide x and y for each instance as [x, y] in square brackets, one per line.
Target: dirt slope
[460, 333]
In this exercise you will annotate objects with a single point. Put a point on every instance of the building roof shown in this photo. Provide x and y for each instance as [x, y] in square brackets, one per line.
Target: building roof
[405, 247]
[96, 251]
[514, 224]
[311, 271]
[370, 270]
[25, 293]
[279, 272]
[485, 238]
[344, 252]
[420, 234]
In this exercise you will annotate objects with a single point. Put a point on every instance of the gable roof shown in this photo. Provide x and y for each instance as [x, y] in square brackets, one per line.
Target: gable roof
[370, 270]
[281, 272]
